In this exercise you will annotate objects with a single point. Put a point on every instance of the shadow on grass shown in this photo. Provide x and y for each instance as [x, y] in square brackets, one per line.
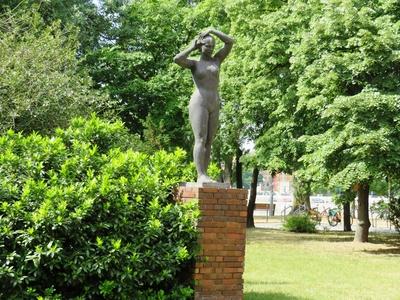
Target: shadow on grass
[276, 235]
[392, 239]
[387, 252]
[269, 296]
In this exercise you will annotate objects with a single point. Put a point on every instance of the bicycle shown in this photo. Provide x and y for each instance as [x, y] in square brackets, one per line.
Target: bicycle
[301, 209]
[313, 213]
[335, 217]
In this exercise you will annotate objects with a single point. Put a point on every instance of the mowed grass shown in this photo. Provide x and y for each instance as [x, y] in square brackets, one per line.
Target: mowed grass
[282, 265]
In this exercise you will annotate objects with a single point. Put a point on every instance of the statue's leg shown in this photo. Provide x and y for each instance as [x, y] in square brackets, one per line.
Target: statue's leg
[213, 122]
[198, 116]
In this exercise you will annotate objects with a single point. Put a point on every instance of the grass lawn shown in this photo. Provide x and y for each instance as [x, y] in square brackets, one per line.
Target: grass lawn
[322, 266]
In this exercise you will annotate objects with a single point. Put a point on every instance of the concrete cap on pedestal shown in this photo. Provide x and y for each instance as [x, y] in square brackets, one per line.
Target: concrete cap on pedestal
[218, 185]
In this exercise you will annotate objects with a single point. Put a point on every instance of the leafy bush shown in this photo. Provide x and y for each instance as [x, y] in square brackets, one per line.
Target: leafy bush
[104, 135]
[83, 219]
[299, 223]
[214, 171]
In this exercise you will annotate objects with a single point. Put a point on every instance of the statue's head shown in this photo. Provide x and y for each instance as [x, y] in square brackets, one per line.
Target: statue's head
[207, 44]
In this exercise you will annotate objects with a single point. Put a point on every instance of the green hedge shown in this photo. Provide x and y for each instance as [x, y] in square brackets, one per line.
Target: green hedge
[81, 217]
[300, 223]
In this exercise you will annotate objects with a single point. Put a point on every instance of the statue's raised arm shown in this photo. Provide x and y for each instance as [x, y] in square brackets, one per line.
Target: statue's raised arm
[182, 57]
[205, 103]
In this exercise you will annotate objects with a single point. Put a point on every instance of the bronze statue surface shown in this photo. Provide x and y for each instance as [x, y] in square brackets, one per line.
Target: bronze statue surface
[205, 102]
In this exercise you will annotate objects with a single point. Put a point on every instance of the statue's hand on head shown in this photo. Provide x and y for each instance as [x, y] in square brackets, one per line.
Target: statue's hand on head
[197, 43]
[203, 34]
[208, 31]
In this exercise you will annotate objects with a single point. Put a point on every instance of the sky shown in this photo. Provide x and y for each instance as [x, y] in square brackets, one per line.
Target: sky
[97, 2]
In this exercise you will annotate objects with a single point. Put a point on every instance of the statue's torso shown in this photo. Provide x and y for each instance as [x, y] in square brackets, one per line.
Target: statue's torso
[206, 78]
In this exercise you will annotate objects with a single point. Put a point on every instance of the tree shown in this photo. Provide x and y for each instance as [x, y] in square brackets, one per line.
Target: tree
[41, 84]
[252, 200]
[302, 56]
[299, 57]
[263, 85]
[134, 65]
[362, 144]
[348, 84]
[83, 15]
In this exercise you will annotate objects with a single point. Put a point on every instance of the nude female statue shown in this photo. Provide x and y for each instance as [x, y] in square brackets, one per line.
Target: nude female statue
[204, 103]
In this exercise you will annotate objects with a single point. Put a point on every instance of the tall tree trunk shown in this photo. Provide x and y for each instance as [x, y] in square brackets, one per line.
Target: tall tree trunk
[239, 168]
[271, 197]
[307, 201]
[363, 224]
[346, 217]
[227, 175]
[252, 200]
[348, 198]
[296, 199]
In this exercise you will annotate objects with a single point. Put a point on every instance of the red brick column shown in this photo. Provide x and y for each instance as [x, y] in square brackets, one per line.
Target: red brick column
[222, 227]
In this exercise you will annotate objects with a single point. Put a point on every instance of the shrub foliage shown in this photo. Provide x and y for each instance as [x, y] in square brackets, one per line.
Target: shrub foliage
[81, 218]
[299, 223]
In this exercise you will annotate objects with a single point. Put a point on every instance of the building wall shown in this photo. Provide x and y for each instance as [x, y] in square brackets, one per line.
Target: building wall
[282, 183]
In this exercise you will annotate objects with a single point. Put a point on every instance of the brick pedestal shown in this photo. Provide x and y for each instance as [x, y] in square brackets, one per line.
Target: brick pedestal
[222, 227]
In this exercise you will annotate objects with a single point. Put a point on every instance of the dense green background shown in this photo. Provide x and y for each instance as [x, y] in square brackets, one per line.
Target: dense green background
[313, 84]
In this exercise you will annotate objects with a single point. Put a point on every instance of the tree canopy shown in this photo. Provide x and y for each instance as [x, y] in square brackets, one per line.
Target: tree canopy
[41, 83]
